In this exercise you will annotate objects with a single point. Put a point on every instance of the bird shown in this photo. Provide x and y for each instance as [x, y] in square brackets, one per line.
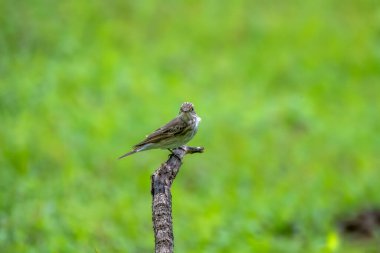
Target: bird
[174, 134]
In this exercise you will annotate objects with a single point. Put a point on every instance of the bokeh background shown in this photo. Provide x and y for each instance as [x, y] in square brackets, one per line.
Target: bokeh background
[288, 92]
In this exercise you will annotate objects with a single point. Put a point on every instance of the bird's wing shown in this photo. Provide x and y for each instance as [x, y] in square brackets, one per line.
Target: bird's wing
[174, 127]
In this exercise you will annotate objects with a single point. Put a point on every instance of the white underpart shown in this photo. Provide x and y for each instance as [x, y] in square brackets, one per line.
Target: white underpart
[197, 122]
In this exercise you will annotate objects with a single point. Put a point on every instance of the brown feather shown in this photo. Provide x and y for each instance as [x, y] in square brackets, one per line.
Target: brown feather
[174, 127]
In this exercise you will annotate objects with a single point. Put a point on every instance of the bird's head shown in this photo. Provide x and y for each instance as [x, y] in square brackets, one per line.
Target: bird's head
[187, 111]
[187, 108]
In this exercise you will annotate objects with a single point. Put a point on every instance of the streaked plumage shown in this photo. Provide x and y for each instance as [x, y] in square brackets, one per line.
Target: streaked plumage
[174, 134]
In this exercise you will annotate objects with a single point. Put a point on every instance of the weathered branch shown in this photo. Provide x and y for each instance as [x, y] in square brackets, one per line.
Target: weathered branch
[162, 180]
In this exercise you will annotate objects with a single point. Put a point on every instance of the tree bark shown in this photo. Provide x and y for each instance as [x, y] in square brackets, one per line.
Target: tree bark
[162, 180]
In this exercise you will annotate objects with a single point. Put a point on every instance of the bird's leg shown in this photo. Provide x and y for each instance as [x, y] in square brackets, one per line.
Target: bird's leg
[173, 154]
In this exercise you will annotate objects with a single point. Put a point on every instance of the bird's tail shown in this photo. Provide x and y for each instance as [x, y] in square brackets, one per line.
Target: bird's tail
[129, 153]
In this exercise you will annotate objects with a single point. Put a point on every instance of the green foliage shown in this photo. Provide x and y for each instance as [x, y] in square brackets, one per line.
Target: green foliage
[289, 98]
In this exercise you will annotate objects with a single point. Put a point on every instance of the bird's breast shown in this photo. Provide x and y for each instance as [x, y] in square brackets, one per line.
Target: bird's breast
[197, 120]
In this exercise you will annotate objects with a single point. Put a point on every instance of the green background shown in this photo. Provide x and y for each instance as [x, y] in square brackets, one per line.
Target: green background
[288, 93]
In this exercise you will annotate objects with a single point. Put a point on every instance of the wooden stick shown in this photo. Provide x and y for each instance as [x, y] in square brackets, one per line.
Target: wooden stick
[162, 180]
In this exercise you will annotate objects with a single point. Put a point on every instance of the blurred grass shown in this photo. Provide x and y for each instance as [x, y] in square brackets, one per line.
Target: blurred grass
[289, 98]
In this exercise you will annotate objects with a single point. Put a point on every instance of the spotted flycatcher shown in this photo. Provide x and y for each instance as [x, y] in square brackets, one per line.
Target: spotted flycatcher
[174, 134]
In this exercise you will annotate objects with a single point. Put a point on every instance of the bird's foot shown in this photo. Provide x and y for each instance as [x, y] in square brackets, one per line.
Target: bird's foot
[174, 154]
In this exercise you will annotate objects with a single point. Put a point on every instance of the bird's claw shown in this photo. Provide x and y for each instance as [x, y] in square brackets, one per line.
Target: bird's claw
[174, 154]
